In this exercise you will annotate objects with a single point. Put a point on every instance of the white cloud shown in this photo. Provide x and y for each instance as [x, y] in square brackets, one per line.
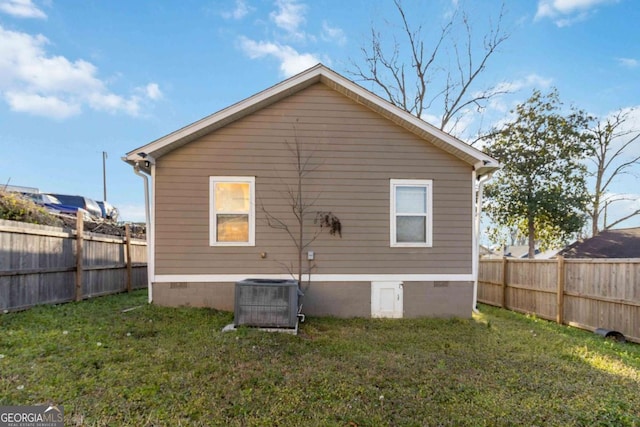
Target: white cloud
[291, 61]
[496, 112]
[498, 104]
[289, 16]
[567, 22]
[621, 205]
[628, 62]
[532, 80]
[620, 190]
[335, 34]
[21, 9]
[631, 128]
[567, 12]
[36, 82]
[464, 123]
[113, 103]
[632, 123]
[152, 91]
[287, 22]
[38, 105]
[550, 8]
[241, 10]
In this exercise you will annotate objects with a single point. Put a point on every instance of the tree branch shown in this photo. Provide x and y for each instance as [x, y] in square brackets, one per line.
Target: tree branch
[409, 84]
[625, 218]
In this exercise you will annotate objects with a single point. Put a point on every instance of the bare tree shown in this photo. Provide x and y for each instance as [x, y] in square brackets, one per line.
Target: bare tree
[408, 80]
[302, 206]
[609, 144]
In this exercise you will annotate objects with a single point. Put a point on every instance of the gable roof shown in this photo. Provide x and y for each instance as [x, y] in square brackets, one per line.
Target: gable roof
[622, 243]
[317, 74]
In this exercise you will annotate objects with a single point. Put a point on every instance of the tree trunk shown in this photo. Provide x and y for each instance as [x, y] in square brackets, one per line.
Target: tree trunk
[301, 214]
[595, 217]
[531, 232]
[595, 214]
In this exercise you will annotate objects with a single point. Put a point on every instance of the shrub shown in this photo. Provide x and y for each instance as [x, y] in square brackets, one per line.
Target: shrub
[14, 207]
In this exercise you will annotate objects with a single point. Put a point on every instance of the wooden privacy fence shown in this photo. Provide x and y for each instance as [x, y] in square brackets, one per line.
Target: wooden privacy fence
[48, 265]
[586, 293]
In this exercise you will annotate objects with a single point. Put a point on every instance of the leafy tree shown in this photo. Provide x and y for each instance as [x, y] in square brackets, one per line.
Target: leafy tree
[426, 65]
[541, 189]
[609, 145]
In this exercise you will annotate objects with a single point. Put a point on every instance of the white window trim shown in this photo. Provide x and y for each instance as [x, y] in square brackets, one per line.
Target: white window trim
[426, 183]
[213, 225]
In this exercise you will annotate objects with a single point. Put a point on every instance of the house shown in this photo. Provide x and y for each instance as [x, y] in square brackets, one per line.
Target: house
[621, 243]
[486, 252]
[403, 191]
[521, 252]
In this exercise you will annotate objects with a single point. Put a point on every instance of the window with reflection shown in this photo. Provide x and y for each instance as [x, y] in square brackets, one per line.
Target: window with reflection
[232, 211]
[411, 213]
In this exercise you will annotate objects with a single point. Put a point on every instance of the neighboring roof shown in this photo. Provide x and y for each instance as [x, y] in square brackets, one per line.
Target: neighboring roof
[516, 251]
[319, 73]
[548, 254]
[485, 250]
[521, 252]
[19, 189]
[622, 243]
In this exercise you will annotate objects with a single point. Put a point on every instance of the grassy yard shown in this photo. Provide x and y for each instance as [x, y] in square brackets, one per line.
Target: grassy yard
[165, 366]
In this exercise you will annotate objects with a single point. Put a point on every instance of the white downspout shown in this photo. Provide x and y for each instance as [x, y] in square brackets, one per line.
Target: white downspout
[474, 238]
[147, 214]
[476, 256]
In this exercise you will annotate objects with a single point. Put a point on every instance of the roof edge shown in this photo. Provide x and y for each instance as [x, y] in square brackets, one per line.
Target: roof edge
[406, 116]
[315, 74]
[305, 78]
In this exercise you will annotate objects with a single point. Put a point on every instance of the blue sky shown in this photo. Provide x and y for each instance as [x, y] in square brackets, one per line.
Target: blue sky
[80, 78]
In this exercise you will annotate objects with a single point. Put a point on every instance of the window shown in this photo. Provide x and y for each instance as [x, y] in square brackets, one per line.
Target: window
[232, 211]
[411, 209]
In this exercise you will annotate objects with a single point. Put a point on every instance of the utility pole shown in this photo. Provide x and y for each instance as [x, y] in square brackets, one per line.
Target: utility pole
[104, 174]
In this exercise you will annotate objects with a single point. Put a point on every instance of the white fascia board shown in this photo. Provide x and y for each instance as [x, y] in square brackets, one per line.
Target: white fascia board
[226, 278]
[305, 76]
[316, 73]
[406, 116]
[488, 167]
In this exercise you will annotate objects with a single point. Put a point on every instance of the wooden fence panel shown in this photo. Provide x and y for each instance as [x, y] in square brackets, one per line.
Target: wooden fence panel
[34, 268]
[611, 278]
[603, 293]
[38, 265]
[139, 266]
[587, 293]
[531, 287]
[490, 277]
[104, 266]
[139, 275]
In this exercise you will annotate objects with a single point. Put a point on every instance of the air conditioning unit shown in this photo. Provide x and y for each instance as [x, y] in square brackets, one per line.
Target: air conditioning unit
[267, 303]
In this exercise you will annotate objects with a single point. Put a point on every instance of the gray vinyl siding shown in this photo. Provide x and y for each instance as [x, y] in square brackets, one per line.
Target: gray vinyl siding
[354, 153]
[437, 299]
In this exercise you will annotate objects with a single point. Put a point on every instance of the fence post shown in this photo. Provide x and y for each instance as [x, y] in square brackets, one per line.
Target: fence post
[79, 254]
[504, 283]
[560, 298]
[127, 234]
